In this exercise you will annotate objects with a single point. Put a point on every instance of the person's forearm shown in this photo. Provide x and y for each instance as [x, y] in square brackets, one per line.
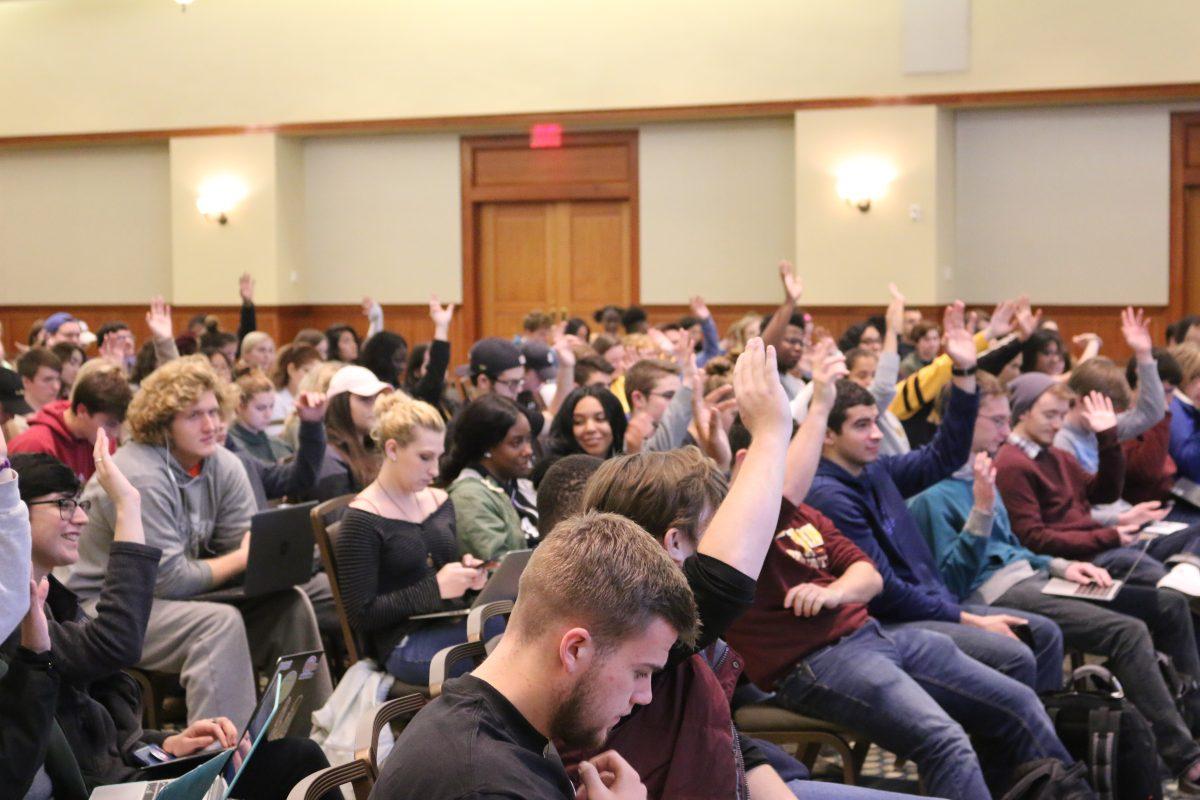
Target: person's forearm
[764, 782]
[744, 525]
[375, 322]
[164, 350]
[1151, 403]
[128, 527]
[564, 384]
[804, 453]
[859, 583]
[14, 554]
[773, 333]
[223, 568]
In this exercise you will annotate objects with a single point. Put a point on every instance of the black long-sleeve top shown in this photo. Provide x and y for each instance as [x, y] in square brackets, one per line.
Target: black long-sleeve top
[387, 571]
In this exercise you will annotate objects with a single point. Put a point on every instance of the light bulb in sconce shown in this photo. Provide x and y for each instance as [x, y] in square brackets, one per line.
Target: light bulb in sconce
[862, 181]
[219, 195]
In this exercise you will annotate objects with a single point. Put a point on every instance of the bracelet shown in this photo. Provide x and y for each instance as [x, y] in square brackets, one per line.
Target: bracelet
[964, 373]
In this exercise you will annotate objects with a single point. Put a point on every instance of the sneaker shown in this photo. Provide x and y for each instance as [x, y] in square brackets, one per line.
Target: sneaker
[1183, 578]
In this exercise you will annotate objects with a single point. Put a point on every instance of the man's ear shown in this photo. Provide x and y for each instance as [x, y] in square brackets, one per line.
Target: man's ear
[739, 457]
[576, 651]
[636, 399]
[830, 437]
[678, 545]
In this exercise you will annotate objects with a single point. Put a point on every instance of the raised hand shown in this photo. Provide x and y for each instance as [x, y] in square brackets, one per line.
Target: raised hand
[246, 287]
[311, 406]
[828, 367]
[1098, 412]
[639, 429]
[35, 632]
[956, 339]
[985, 483]
[793, 284]
[762, 403]
[1090, 342]
[894, 316]
[710, 433]
[1135, 327]
[158, 319]
[699, 309]
[441, 315]
[1027, 321]
[109, 475]
[1002, 321]
[564, 349]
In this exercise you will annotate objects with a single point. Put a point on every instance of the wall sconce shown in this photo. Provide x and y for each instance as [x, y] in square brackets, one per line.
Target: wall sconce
[864, 180]
[219, 195]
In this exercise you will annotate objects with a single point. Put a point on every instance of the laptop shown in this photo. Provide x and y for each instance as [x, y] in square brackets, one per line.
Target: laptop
[297, 704]
[1161, 528]
[1084, 591]
[215, 778]
[281, 554]
[1187, 490]
[501, 586]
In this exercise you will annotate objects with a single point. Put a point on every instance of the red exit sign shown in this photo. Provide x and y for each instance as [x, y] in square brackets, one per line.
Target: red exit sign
[545, 135]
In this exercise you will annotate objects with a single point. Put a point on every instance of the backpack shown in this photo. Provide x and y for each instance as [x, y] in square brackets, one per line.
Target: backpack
[1049, 779]
[1103, 730]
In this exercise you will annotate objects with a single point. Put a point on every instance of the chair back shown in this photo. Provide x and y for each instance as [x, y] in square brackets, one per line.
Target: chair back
[325, 535]
[446, 659]
[366, 740]
[480, 615]
[356, 773]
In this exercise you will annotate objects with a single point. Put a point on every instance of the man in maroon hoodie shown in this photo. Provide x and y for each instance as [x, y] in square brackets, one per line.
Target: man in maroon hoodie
[66, 429]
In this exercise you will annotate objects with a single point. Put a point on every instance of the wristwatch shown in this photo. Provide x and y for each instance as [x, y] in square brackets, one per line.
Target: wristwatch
[964, 373]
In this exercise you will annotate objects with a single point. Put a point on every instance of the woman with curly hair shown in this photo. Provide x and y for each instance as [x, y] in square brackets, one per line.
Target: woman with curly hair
[196, 508]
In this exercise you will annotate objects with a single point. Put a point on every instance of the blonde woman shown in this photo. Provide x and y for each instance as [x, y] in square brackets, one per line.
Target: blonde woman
[397, 553]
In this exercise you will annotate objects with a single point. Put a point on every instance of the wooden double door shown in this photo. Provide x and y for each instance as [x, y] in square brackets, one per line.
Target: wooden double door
[549, 229]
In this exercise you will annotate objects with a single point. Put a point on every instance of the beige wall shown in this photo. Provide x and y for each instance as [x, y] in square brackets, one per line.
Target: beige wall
[84, 225]
[717, 209]
[383, 217]
[1069, 204]
[94, 65]
[848, 256]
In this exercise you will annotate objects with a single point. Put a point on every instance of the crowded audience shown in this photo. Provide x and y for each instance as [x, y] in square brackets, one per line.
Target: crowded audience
[859, 526]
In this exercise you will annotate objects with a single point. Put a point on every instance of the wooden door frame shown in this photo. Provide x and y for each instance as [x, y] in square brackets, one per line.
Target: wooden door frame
[1182, 177]
[473, 196]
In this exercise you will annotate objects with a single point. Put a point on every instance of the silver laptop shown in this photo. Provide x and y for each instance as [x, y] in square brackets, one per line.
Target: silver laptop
[215, 778]
[501, 586]
[1083, 591]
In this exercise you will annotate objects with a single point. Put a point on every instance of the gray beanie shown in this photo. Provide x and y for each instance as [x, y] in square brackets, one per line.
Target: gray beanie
[1024, 390]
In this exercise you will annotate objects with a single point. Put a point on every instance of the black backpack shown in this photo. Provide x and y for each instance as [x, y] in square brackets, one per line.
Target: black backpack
[1049, 779]
[1103, 730]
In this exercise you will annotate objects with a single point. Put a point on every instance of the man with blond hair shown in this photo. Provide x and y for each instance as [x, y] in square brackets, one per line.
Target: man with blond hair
[196, 507]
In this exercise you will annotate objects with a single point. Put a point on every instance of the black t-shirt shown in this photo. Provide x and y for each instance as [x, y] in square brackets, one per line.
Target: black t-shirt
[470, 744]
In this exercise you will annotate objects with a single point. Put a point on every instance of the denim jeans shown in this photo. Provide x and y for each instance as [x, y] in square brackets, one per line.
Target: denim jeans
[912, 691]
[819, 790]
[1127, 631]
[1041, 668]
[410, 660]
[1182, 545]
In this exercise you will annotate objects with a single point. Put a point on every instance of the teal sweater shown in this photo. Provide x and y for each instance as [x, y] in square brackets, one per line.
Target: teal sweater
[964, 560]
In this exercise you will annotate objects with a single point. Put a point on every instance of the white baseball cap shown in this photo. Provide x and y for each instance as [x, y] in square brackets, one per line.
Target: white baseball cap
[356, 380]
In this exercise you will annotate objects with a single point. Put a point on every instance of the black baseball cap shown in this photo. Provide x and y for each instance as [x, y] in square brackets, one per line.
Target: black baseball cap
[494, 355]
[541, 358]
[12, 393]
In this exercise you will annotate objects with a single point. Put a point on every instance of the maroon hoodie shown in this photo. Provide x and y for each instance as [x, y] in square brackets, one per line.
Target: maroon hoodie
[48, 433]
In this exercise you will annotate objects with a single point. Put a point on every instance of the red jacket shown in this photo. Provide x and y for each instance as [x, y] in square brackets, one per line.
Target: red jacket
[48, 433]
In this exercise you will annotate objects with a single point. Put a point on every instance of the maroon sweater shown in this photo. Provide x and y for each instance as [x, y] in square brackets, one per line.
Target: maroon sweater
[807, 549]
[1149, 468]
[1049, 499]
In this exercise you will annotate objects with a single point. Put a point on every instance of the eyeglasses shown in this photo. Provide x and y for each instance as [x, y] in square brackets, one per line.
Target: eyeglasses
[512, 385]
[668, 396]
[999, 421]
[66, 506]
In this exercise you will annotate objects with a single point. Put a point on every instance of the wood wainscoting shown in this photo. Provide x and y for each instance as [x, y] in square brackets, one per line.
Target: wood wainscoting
[412, 320]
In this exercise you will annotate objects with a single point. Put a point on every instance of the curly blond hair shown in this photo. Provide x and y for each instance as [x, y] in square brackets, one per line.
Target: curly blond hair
[398, 416]
[168, 390]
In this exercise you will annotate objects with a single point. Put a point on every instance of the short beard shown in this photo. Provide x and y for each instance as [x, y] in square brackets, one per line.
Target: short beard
[569, 727]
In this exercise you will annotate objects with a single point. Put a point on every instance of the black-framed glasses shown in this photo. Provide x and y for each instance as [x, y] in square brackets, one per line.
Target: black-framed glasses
[513, 385]
[66, 506]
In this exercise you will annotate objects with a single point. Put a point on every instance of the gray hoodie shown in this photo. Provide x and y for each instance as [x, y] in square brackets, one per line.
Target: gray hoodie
[189, 519]
[14, 554]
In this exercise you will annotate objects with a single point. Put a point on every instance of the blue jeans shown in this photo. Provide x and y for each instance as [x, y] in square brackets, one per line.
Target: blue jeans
[410, 660]
[1041, 668]
[908, 690]
[819, 790]
[1182, 545]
